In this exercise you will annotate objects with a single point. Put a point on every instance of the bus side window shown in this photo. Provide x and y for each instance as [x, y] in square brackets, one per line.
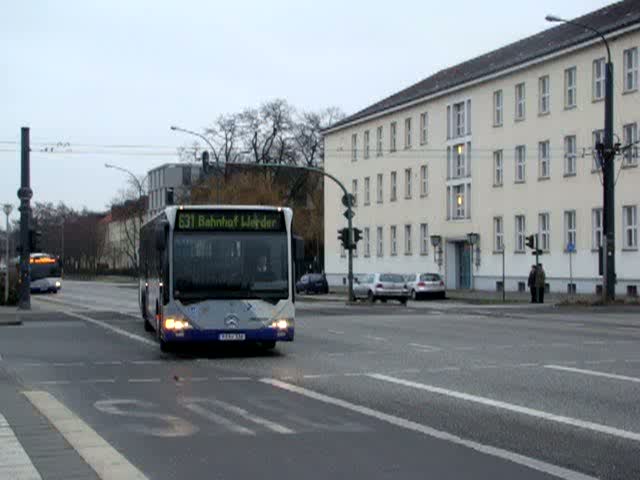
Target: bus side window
[164, 269]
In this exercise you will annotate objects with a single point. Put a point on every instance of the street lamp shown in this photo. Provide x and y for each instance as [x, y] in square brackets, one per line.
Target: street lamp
[205, 158]
[7, 208]
[606, 151]
[137, 182]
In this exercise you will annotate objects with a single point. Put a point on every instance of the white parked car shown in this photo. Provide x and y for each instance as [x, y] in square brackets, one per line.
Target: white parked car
[381, 286]
[425, 284]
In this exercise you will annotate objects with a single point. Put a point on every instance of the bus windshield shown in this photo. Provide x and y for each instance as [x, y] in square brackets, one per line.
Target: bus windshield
[50, 269]
[230, 265]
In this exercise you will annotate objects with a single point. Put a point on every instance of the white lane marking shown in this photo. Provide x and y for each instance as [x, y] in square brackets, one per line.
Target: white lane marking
[431, 432]
[143, 380]
[107, 462]
[594, 373]
[53, 382]
[526, 365]
[100, 380]
[214, 417]
[323, 375]
[197, 379]
[146, 362]
[14, 460]
[425, 348]
[33, 365]
[594, 342]
[68, 364]
[241, 412]
[234, 379]
[633, 360]
[112, 362]
[117, 330]
[336, 332]
[597, 362]
[442, 369]
[377, 339]
[465, 348]
[336, 354]
[502, 347]
[483, 367]
[574, 422]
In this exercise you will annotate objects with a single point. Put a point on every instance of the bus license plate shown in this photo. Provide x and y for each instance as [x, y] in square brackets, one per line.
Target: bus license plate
[231, 337]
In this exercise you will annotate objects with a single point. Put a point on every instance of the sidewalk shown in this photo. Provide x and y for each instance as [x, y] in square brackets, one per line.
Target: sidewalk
[10, 315]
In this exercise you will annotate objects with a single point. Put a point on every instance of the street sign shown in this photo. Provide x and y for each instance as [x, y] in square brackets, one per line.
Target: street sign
[349, 214]
[348, 199]
[571, 247]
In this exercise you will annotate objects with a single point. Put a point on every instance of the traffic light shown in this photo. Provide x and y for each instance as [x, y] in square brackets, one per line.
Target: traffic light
[357, 235]
[35, 240]
[343, 236]
[205, 161]
[531, 242]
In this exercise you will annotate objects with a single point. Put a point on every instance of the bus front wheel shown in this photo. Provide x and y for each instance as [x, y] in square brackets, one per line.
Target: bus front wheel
[165, 347]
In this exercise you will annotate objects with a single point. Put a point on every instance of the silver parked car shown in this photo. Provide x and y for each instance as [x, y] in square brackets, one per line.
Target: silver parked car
[425, 284]
[381, 286]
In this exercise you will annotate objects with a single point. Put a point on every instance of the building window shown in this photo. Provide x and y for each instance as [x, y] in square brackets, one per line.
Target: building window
[354, 147]
[520, 233]
[354, 192]
[394, 239]
[544, 93]
[394, 186]
[598, 79]
[458, 195]
[521, 162]
[629, 138]
[379, 188]
[570, 155]
[569, 229]
[379, 142]
[407, 133]
[570, 80]
[424, 125]
[367, 242]
[408, 247]
[366, 144]
[544, 231]
[459, 201]
[497, 108]
[424, 239]
[459, 161]
[458, 119]
[630, 226]
[498, 168]
[596, 228]
[520, 101]
[379, 242]
[424, 180]
[498, 234]
[630, 69]
[543, 160]
[392, 136]
[407, 183]
[367, 191]
[598, 137]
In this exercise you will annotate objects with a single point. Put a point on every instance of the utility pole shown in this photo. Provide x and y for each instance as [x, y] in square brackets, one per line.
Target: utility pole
[607, 155]
[24, 194]
[8, 208]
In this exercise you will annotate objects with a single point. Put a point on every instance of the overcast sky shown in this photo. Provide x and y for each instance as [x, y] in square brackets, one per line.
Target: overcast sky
[120, 72]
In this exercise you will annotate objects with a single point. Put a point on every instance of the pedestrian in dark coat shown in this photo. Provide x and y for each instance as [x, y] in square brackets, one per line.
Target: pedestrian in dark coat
[531, 283]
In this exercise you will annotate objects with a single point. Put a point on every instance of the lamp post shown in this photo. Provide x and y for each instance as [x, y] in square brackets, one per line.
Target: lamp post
[7, 208]
[205, 158]
[607, 154]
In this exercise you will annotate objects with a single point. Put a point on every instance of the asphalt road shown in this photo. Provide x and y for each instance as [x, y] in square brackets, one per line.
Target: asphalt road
[433, 390]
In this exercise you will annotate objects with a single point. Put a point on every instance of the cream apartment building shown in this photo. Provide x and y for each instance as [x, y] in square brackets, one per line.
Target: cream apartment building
[501, 146]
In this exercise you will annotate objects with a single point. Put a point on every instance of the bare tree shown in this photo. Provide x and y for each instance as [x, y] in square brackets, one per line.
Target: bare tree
[266, 131]
[308, 134]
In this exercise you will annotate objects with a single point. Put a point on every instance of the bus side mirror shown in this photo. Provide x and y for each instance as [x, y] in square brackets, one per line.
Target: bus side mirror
[161, 237]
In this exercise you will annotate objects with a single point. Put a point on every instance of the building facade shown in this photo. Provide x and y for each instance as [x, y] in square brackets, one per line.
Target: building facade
[177, 176]
[501, 146]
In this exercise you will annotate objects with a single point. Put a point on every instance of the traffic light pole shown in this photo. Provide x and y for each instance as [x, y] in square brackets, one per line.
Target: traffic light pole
[25, 194]
[608, 183]
[350, 250]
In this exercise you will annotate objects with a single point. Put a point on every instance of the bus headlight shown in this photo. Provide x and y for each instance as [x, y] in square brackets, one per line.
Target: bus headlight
[58, 284]
[177, 324]
[281, 324]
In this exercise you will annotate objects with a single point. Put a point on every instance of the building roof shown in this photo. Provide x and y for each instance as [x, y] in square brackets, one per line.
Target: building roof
[607, 20]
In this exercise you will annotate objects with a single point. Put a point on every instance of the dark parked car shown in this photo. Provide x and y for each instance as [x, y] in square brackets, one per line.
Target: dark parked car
[312, 283]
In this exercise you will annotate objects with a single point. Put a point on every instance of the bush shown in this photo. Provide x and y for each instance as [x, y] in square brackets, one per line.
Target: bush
[13, 289]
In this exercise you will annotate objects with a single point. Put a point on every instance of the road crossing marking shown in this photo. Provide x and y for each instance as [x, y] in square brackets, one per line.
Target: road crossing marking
[532, 463]
[14, 461]
[241, 412]
[425, 348]
[105, 460]
[574, 422]
[594, 373]
[191, 404]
